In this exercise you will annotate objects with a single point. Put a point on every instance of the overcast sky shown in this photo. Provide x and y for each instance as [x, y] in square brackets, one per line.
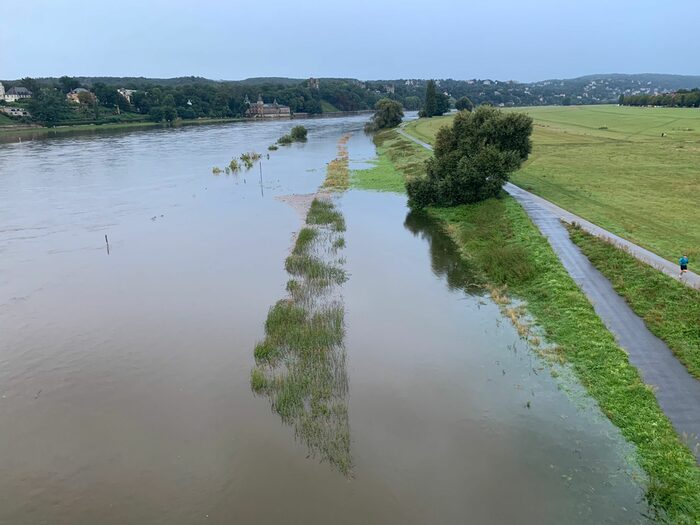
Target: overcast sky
[368, 39]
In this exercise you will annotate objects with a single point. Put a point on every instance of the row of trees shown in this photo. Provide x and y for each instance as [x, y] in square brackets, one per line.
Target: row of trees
[682, 99]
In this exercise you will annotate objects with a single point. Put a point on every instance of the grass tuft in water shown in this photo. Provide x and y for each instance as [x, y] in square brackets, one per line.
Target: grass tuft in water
[323, 212]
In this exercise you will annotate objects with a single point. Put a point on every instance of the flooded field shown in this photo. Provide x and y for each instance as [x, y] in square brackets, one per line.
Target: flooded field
[125, 376]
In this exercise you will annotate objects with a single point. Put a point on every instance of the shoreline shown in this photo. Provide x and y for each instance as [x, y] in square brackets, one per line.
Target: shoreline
[17, 133]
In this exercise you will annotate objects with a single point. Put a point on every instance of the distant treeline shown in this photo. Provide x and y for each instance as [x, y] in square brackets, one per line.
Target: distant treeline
[197, 97]
[683, 98]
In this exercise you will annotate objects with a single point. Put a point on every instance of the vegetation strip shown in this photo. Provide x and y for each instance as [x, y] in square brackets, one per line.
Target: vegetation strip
[497, 237]
[300, 364]
[397, 161]
[338, 171]
[670, 309]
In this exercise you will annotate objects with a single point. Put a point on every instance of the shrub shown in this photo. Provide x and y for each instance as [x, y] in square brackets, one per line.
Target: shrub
[298, 133]
[285, 140]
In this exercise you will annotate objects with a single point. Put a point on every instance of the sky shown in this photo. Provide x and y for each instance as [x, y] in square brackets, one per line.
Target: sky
[524, 40]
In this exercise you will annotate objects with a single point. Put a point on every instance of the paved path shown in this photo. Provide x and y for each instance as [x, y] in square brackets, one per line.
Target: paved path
[677, 391]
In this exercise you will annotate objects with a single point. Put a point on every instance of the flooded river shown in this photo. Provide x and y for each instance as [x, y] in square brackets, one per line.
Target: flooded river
[125, 391]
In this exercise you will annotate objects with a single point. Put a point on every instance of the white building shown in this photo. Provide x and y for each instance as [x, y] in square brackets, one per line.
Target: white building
[14, 93]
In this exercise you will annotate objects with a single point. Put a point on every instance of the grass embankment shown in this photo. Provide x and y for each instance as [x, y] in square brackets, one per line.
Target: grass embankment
[327, 107]
[300, 364]
[43, 132]
[499, 240]
[612, 166]
[397, 160]
[670, 309]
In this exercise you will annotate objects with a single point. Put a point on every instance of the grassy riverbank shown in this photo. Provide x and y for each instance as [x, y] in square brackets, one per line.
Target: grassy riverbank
[612, 166]
[13, 134]
[397, 160]
[499, 240]
[670, 309]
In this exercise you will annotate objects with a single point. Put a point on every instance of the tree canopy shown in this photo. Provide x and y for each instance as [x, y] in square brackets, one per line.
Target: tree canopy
[464, 104]
[387, 114]
[473, 158]
[436, 102]
[49, 106]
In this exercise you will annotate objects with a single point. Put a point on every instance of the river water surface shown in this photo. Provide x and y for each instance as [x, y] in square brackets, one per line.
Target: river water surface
[125, 376]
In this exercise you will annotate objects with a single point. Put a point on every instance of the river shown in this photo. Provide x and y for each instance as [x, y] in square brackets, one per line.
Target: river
[125, 373]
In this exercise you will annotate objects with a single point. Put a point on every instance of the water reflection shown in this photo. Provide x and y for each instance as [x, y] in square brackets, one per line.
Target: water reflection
[444, 255]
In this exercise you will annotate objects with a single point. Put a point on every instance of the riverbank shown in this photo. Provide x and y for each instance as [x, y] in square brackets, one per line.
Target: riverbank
[499, 240]
[38, 132]
[29, 132]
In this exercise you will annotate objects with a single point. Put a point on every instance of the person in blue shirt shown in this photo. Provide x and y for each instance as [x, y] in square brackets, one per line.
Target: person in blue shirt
[683, 261]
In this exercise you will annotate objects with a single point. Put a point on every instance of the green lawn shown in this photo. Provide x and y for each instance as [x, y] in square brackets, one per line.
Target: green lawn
[611, 165]
[327, 107]
[5, 120]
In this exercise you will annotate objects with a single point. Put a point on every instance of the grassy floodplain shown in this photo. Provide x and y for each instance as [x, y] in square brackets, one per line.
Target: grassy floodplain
[514, 260]
[612, 166]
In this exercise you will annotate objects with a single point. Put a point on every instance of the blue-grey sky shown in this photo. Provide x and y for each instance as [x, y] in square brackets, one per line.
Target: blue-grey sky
[368, 39]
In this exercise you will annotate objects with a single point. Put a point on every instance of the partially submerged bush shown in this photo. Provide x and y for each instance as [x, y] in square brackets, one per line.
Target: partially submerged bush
[298, 133]
[285, 140]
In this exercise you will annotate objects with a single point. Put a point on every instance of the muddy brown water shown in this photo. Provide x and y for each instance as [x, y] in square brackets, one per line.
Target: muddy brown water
[125, 377]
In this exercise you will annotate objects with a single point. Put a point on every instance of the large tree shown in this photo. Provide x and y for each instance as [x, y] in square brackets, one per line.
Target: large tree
[430, 105]
[464, 103]
[442, 103]
[49, 106]
[387, 114]
[473, 158]
[68, 84]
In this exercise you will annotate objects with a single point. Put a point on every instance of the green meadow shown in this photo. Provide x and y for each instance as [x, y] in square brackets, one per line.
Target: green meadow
[631, 170]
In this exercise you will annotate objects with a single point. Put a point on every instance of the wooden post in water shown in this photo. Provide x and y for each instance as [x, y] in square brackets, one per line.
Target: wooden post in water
[262, 194]
[107, 242]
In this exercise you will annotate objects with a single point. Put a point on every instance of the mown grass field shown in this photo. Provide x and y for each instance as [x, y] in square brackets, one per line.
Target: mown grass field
[612, 166]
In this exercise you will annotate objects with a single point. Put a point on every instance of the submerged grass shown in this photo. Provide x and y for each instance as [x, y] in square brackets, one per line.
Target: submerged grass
[670, 309]
[499, 239]
[323, 212]
[300, 364]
